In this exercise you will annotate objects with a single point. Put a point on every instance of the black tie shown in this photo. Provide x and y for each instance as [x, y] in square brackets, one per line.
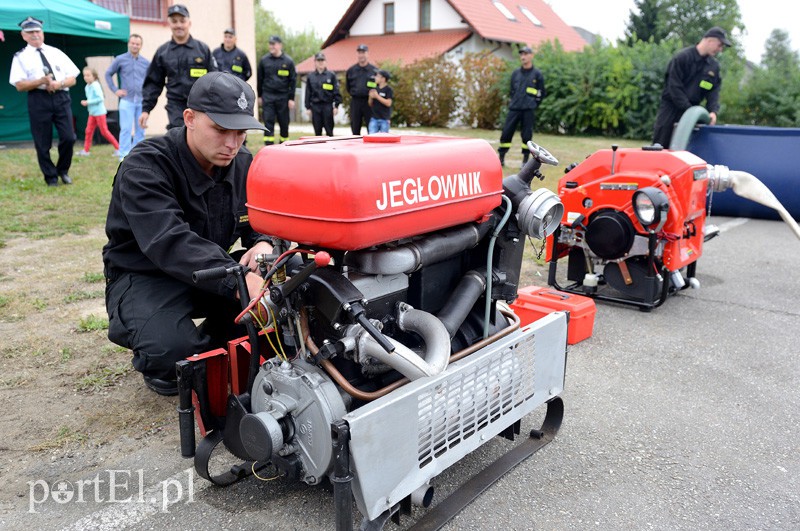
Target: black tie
[47, 68]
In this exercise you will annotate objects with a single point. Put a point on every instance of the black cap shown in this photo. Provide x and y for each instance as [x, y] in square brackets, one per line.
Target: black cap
[362, 48]
[319, 57]
[178, 9]
[385, 74]
[274, 38]
[525, 49]
[230, 31]
[226, 99]
[718, 33]
[31, 24]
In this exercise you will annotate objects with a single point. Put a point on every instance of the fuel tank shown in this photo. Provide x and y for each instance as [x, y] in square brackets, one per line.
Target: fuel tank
[350, 193]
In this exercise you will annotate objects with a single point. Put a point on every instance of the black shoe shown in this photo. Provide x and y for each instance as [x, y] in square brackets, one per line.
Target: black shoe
[66, 179]
[162, 387]
[52, 183]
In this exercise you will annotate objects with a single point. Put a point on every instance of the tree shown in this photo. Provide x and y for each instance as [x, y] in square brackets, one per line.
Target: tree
[685, 21]
[688, 20]
[644, 22]
[778, 53]
[298, 46]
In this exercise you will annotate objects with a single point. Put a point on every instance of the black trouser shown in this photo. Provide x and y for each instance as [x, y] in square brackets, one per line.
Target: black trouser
[175, 110]
[44, 111]
[665, 124]
[322, 116]
[527, 118]
[360, 112]
[152, 315]
[276, 109]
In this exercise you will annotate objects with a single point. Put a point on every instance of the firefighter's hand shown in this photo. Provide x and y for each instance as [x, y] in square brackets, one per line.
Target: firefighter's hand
[143, 119]
[308, 112]
[249, 258]
[712, 118]
[254, 283]
[335, 111]
[291, 105]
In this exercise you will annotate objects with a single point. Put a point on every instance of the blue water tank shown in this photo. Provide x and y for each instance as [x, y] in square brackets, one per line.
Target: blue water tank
[771, 154]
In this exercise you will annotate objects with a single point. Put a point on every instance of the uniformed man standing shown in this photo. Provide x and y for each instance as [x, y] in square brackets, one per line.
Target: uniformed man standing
[178, 64]
[232, 59]
[276, 79]
[322, 96]
[692, 76]
[360, 79]
[46, 73]
[526, 93]
[178, 204]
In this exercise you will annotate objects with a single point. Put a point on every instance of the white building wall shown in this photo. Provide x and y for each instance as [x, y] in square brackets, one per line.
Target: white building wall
[406, 17]
[443, 16]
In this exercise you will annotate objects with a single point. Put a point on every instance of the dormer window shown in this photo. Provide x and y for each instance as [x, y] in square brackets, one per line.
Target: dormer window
[504, 10]
[530, 16]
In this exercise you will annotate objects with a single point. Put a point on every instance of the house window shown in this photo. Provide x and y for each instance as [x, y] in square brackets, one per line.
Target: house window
[504, 10]
[530, 16]
[388, 17]
[424, 15]
[136, 9]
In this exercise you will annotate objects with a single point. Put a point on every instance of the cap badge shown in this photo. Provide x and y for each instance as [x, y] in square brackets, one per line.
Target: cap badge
[242, 101]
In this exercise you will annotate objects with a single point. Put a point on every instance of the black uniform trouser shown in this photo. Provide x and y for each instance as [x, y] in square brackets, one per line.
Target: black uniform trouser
[276, 110]
[152, 315]
[665, 124]
[527, 119]
[175, 112]
[322, 116]
[46, 110]
[360, 112]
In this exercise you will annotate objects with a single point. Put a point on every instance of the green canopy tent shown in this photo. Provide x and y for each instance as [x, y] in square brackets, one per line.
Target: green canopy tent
[79, 28]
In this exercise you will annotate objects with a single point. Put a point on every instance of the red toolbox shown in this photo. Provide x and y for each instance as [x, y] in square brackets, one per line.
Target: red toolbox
[535, 302]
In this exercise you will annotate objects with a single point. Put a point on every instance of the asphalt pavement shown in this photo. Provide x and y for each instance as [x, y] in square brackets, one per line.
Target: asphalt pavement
[686, 417]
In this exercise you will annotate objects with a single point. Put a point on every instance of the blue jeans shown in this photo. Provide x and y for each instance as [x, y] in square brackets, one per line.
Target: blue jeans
[128, 119]
[377, 125]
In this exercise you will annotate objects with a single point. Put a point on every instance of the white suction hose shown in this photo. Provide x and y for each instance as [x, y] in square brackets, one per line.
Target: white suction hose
[748, 186]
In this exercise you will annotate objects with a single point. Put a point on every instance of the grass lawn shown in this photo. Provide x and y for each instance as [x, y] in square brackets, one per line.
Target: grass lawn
[28, 208]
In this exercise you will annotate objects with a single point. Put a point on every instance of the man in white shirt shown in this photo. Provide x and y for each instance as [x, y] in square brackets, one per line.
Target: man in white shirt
[46, 73]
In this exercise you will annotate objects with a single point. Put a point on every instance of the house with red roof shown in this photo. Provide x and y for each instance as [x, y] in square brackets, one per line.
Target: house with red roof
[404, 31]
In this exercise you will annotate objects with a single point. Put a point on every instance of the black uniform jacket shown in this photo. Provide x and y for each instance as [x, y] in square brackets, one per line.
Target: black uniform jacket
[360, 79]
[167, 216]
[527, 89]
[234, 61]
[276, 78]
[690, 79]
[322, 88]
[179, 66]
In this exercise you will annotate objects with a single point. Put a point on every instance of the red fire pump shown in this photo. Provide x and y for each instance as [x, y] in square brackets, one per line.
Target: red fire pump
[383, 350]
[633, 224]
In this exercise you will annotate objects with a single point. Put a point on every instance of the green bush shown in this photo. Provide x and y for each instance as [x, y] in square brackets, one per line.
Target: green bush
[426, 93]
[482, 93]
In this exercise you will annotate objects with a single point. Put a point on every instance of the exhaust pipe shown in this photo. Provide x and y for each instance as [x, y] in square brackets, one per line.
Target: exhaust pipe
[404, 360]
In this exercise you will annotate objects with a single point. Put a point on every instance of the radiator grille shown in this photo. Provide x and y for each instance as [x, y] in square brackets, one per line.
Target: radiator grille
[463, 405]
